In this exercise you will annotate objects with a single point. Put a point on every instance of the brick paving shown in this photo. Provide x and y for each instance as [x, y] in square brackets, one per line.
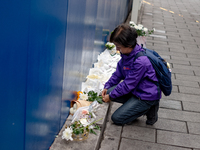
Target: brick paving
[177, 39]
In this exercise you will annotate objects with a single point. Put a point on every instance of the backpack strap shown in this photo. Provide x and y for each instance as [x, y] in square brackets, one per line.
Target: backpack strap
[141, 53]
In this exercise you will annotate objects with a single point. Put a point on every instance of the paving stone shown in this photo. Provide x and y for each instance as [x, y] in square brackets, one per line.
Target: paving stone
[187, 77]
[179, 115]
[110, 143]
[172, 53]
[186, 51]
[189, 90]
[139, 133]
[195, 62]
[164, 124]
[182, 71]
[182, 62]
[185, 83]
[158, 48]
[165, 57]
[128, 144]
[197, 72]
[193, 56]
[182, 58]
[174, 43]
[191, 47]
[194, 128]
[182, 97]
[191, 106]
[178, 139]
[186, 67]
[170, 104]
[112, 130]
[174, 88]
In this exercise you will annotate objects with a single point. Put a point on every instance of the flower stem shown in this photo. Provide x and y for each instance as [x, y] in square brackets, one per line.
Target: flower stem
[95, 122]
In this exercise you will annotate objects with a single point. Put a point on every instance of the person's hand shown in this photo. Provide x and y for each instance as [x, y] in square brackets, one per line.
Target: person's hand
[104, 92]
[106, 98]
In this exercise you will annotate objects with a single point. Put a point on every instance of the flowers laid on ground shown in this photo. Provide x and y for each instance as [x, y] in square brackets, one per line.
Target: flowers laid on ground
[83, 96]
[140, 29]
[83, 123]
[110, 45]
[111, 48]
[85, 99]
[67, 134]
[92, 96]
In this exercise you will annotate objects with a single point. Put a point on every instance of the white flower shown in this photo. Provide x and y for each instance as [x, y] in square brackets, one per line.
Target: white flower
[84, 122]
[91, 127]
[140, 25]
[145, 29]
[136, 27]
[67, 134]
[83, 96]
[132, 23]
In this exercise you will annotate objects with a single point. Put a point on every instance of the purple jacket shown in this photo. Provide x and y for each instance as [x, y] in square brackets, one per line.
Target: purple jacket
[137, 77]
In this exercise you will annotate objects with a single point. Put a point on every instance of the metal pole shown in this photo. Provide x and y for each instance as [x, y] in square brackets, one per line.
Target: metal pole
[135, 8]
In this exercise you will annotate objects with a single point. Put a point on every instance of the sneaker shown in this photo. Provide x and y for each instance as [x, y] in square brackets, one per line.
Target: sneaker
[152, 115]
[152, 120]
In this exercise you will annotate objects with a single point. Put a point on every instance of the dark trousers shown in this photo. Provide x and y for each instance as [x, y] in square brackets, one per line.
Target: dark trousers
[131, 109]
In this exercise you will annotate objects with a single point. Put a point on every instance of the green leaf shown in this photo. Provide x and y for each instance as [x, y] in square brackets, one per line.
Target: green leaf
[92, 131]
[97, 127]
[76, 131]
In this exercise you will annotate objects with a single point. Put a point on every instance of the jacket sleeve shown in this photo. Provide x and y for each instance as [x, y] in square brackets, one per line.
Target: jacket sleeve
[132, 78]
[115, 78]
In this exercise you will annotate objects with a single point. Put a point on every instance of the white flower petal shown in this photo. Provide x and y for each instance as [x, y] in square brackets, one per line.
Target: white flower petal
[67, 134]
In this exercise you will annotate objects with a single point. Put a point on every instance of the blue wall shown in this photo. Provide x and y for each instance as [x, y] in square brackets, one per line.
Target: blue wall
[47, 48]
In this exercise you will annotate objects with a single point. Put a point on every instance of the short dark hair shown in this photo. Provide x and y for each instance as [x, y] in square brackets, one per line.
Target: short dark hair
[124, 35]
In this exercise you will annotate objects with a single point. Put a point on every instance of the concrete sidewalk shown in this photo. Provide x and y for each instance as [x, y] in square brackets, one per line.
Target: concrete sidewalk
[177, 40]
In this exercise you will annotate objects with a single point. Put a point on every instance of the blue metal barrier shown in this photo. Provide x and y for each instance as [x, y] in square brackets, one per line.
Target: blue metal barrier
[47, 48]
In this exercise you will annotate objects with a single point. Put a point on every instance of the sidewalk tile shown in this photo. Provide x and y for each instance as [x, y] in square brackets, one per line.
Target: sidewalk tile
[185, 67]
[187, 77]
[128, 144]
[110, 143]
[178, 139]
[189, 90]
[182, 71]
[182, 97]
[182, 62]
[194, 128]
[170, 104]
[112, 130]
[179, 115]
[184, 83]
[164, 124]
[139, 133]
[191, 106]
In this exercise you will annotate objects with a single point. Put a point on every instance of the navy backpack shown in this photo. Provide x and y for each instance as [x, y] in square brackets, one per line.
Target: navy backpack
[163, 73]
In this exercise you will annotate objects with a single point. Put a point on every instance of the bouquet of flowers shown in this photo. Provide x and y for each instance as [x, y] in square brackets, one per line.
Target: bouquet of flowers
[110, 45]
[84, 99]
[140, 29]
[83, 123]
[111, 48]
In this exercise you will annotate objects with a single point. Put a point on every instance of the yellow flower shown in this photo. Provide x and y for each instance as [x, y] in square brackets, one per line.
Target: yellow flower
[78, 94]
